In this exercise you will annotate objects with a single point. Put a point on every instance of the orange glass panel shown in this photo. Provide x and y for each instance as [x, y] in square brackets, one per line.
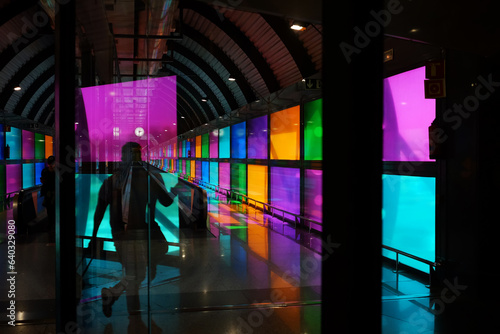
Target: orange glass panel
[49, 146]
[258, 239]
[257, 183]
[285, 134]
[198, 146]
[193, 168]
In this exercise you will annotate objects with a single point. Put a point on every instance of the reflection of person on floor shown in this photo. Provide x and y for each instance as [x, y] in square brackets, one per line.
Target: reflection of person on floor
[48, 191]
[131, 192]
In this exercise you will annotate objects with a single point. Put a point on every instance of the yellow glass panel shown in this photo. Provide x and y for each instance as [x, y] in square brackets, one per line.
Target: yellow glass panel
[198, 146]
[285, 134]
[257, 183]
[193, 168]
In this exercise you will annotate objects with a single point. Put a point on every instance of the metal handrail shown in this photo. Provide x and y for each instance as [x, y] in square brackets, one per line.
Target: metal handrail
[265, 206]
[411, 256]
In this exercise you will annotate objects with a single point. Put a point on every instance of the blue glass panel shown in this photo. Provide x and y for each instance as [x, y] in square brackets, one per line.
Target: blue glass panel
[238, 141]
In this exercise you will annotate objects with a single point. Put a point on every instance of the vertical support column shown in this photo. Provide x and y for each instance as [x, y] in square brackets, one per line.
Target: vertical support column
[353, 99]
[65, 174]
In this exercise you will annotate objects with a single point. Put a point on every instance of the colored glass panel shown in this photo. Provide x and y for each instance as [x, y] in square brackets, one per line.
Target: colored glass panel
[13, 140]
[28, 175]
[313, 130]
[214, 144]
[214, 173]
[408, 211]
[285, 134]
[313, 196]
[257, 138]
[238, 141]
[285, 189]
[198, 146]
[239, 178]
[28, 144]
[224, 142]
[49, 146]
[204, 145]
[225, 175]
[2, 142]
[198, 170]
[407, 117]
[205, 171]
[193, 168]
[13, 178]
[39, 146]
[257, 183]
[2, 182]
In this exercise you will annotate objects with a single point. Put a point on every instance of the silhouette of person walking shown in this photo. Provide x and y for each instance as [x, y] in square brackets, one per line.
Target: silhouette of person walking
[48, 191]
[132, 192]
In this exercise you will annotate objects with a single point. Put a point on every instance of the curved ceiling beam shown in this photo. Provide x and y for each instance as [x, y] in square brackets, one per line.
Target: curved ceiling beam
[210, 72]
[292, 43]
[239, 38]
[184, 108]
[32, 89]
[219, 110]
[204, 109]
[25, 70]
[15, 8]
[189, 101]
[48, 94]
[228, 64]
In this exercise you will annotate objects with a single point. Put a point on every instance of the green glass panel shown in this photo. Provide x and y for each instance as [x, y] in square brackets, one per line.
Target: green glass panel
[204, 145]
[313, 130]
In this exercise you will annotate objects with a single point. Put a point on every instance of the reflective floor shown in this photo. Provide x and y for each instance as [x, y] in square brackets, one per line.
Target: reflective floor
[250, 273]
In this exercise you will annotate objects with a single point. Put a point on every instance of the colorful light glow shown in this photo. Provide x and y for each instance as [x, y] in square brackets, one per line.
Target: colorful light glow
[257, 138]
[407, 117]
[285, 189]
[313, 130]
[150, 104]
[238, 141]
[13, 139]
[257, 183]
[409, 217]
[313, 195]
[285, 134]
[224, 142]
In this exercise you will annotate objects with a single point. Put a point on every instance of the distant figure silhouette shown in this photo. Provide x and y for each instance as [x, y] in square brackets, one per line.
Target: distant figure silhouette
[132, 193]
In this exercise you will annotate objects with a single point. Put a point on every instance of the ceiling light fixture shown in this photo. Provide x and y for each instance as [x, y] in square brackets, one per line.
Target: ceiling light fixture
[204, 99]
[17, 88]
[298, 26]
[231, 78]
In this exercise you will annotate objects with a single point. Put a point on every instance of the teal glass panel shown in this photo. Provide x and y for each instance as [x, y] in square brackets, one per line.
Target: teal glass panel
[408, 215]
[224, 142]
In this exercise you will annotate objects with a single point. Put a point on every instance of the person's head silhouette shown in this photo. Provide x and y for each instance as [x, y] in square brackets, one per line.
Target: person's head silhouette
[131, 151]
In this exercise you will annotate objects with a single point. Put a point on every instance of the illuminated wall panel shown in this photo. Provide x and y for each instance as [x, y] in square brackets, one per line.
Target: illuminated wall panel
[193, 168]
[28, 175]
[116, 111]
[205, 141]
[13, 139]
[205, 171]
[214, 173]
[198, 170]
[49, 146]
[257, 183]
[257, 138]
[224, 142]
[198, 146]
[225, 175]
[409, 211]
[13, 178]
[2, 144]
[2, 182]
[28, 144]
[285, 189]
[313, 196]
[313, 130]
[238, 141]
[214, 144]
[407, 117]
[239, 178]
[285, 134]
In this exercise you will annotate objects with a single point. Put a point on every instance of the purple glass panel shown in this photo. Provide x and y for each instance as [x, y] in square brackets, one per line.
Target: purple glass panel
[285, 189]
[257, 138]
[140, 111]
[198, 170]
[225, 175]
[407, 117]
[313, 196]
[214, 144]
[14, 177]
[28, 145]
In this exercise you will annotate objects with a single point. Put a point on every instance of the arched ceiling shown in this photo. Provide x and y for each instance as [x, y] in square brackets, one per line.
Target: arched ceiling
[203, 43]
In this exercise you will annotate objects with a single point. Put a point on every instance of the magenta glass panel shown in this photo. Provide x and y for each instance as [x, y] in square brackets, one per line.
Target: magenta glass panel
[285, 189]
[313, 196]
[225, 175]
[28, 145]
[257, 138]
[214, 144]
[407, 117]
[144, 111]
[13, 177]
